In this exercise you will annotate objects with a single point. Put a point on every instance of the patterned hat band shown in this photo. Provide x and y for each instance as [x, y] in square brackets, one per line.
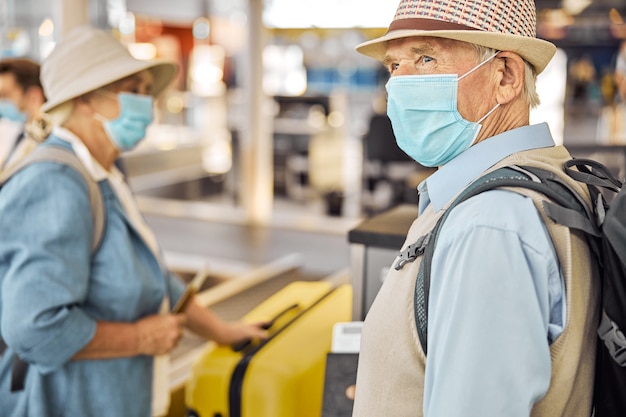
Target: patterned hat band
[426, 24]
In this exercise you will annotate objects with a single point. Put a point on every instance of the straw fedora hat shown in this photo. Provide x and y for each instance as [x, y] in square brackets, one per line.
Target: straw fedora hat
[87, 59]
[505, 25]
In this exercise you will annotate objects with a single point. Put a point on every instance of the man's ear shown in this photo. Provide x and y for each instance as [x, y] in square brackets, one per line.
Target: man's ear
[512, 71]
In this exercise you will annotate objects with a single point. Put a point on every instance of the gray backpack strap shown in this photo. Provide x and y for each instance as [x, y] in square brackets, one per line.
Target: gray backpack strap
[67, 157]
[563, 205]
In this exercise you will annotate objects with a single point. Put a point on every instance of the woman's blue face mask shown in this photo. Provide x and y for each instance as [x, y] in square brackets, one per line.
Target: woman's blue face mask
[426, 122]
[129, 128]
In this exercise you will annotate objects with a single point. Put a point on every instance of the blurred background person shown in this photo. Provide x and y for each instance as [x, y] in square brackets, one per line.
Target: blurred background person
[620, 72]
[583, 74]
[22, 125]
[612, 118]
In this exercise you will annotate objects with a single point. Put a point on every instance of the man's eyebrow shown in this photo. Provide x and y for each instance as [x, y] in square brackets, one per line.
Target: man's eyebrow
[415, 50]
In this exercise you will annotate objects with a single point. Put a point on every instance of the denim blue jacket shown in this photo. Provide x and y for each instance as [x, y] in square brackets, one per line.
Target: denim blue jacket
[53, 291]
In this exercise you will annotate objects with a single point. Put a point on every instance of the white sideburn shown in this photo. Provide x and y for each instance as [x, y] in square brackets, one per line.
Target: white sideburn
[497, 104]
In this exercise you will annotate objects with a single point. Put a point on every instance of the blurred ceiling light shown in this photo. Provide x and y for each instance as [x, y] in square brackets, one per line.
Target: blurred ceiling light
[575, 6]
[46, 28]
[201, 28]
[142, 50]
[316, 118]
[46, 38]
[336, 119]
[127, 24]
[206, 70]
[295, 83]
[284, 71]
[175, 104]
[217, 156]
[116, 10]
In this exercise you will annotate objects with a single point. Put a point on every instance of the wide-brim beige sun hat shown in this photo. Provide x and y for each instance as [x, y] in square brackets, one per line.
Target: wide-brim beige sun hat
[504, 25]
[87, 59]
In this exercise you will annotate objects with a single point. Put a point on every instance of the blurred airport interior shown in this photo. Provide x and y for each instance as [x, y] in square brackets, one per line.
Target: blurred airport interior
[273, 144]
[273, 112]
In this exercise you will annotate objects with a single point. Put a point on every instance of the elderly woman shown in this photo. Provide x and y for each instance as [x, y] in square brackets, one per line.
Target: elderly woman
[89, 323]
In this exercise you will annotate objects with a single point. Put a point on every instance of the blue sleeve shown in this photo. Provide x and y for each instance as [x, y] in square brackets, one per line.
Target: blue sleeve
[495, 286]
[46, 226]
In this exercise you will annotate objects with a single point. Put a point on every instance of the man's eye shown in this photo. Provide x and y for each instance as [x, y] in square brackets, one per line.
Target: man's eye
[393, 67]
[427, 59]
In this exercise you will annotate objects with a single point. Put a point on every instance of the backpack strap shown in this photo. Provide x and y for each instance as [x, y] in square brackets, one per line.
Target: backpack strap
[63, 156]
[592, 172]
[564, 206]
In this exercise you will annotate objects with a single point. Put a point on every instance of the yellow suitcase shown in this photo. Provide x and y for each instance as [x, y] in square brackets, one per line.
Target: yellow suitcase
[282, 376]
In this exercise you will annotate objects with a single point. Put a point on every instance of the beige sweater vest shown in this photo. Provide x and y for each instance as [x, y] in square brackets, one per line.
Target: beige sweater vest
[390, 380]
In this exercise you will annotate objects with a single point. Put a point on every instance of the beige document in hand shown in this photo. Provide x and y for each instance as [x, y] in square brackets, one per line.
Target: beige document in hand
[192, 289]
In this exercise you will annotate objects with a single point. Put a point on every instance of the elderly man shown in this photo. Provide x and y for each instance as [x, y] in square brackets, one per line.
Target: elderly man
[511, 329]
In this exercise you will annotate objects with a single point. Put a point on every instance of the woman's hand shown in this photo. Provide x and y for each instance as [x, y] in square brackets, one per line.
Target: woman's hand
[207, 324]
[238, 331]
[152, 335]
[158, 334]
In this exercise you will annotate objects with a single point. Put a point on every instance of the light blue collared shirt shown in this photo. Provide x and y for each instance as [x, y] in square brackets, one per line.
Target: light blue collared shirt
[496, 296]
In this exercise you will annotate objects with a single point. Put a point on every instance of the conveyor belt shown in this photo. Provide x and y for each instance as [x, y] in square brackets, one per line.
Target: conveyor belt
[322, 253]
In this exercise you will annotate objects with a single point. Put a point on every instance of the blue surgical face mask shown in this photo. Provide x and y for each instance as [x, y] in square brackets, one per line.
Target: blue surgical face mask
[425, 120]
[8, 110]
[129, 128]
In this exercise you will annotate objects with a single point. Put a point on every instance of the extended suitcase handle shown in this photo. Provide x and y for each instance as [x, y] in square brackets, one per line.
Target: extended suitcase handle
[238, 347]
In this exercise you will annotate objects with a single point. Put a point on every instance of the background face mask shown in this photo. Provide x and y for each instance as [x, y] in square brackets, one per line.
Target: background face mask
[8, 110]
[425, 120]
[129, 128]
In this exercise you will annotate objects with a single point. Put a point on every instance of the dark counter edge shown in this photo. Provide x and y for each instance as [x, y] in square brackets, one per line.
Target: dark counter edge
[387, 230]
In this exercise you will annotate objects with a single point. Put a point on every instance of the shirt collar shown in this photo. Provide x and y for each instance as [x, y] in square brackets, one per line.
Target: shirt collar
[97, 172]
[450, 179]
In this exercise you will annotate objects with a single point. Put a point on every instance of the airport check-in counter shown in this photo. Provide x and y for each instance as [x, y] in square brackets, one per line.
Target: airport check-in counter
[374, 245]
